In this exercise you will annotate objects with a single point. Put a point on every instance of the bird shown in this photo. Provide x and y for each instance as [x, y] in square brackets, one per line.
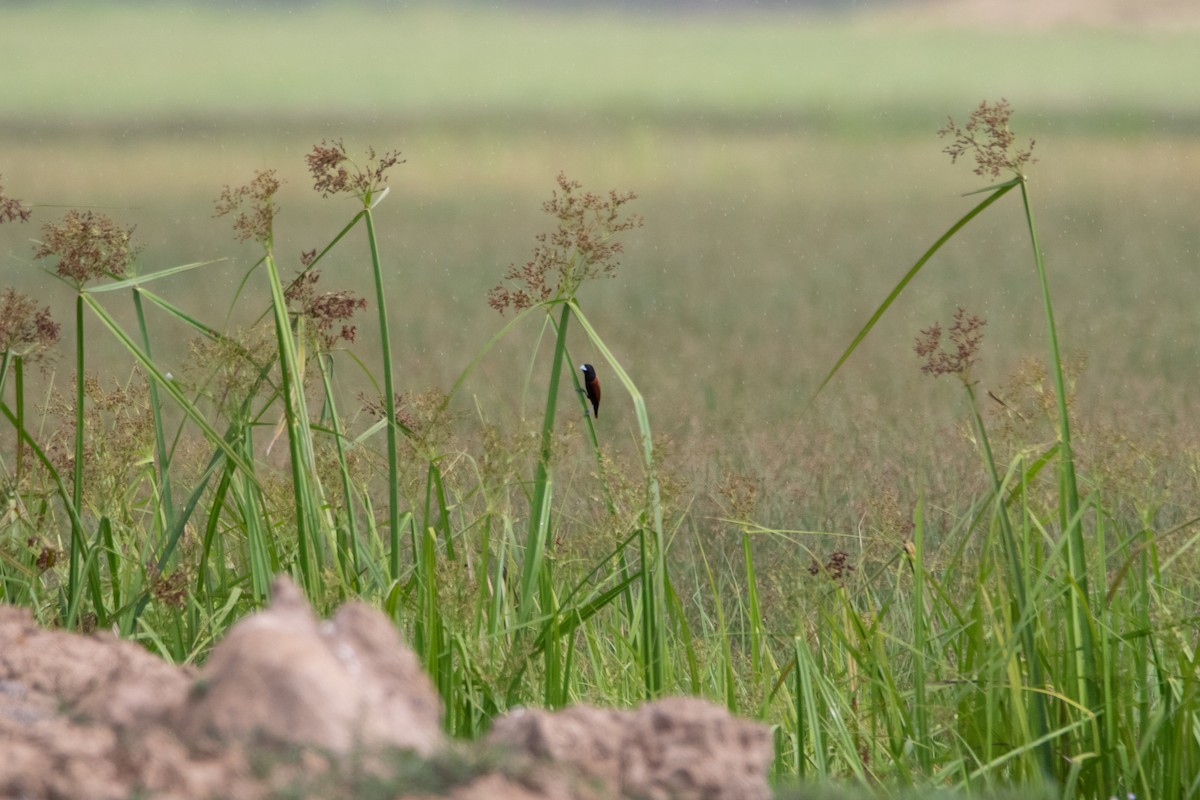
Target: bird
[592, 384]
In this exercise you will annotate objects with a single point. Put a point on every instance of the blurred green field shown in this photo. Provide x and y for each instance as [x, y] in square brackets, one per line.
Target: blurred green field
[187, 64]
[787, 168]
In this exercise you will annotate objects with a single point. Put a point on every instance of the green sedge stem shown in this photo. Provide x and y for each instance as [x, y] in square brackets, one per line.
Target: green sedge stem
[389, 399]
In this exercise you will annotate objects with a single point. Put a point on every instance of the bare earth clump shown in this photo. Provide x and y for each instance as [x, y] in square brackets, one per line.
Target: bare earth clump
[288, 703]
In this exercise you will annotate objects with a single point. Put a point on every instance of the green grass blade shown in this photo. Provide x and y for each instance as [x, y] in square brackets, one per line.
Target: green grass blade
[1001, 190]
[171, 387]
[389, 394]
[139, 280]
[162, 461]
[543, 484]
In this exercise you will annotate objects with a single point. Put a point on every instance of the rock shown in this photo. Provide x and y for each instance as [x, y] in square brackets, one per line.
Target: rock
[94, 676]
[96, 718]
[66, 700]
[678, 748]
[341, 685]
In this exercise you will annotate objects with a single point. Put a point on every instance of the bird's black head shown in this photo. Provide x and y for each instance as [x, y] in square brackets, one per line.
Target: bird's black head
[589, 372]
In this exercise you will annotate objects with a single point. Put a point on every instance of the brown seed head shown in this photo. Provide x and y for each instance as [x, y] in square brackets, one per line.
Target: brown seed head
[12, 209]
[87, 245]
[581, 248]
[836, 568]
[987, 137]
[334, 172]
[25, 330]
[255, 204]
[966, 335]
[325, 310]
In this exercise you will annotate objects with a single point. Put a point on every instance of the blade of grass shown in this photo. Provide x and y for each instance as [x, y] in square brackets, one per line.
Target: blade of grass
[1001, 190]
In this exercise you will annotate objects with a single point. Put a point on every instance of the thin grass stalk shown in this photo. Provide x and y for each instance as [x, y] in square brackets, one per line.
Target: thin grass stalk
[1036, 700]
[755, 612]
[258, 539]
[306, 488]
[800, 702]
[727, 680]
[162, 462]
[1087, 667]
[679, 616]
[77, 537]
[105, 534]
[654, 571]
[389, 400]
[920, 719]
[598, 455]
[210, 541]
[352, 545]
[77, 540]
[435, 492]
[19, 402]
[651, 630]
[543, 483]
[554, 675]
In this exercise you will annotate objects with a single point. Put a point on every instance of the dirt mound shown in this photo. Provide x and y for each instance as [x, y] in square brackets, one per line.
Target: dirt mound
[315, 708]
[680, 747]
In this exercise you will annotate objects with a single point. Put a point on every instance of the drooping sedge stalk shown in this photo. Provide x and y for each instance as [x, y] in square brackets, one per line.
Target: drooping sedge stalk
[389, 391]
[1087, 656]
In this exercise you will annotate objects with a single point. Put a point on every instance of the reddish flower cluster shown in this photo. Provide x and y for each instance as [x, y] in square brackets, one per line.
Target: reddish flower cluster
[257, 221]
[835, 568]
[170, 590]
[25, 330]
[580, 249]
[995, 152]
[966, 334]
[88, 245]
[328, 165]
[12, 208]
[325, 310]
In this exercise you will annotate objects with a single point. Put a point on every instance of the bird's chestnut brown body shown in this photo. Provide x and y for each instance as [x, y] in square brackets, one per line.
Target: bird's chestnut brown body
[591, 385]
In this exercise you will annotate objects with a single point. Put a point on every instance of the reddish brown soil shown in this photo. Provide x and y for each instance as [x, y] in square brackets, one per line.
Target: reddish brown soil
[316, 708]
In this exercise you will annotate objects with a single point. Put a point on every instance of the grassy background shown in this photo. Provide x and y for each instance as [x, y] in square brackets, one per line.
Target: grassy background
[787, 169]
[788, 173]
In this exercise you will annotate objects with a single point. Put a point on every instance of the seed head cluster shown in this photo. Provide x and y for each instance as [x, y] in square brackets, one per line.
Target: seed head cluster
[170, 590]
[836, 568]
[25, 330]
[376, 407]
[986, 136]
[88, 245]
[47, 558]
[119, 430]
[325, 310]
[255, 206]
[334, 172]
[12, 209]
[966, 335]
[581, 248]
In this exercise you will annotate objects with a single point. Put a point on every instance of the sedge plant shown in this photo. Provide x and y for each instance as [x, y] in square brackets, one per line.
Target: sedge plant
[582, 248]
[1057, 684]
